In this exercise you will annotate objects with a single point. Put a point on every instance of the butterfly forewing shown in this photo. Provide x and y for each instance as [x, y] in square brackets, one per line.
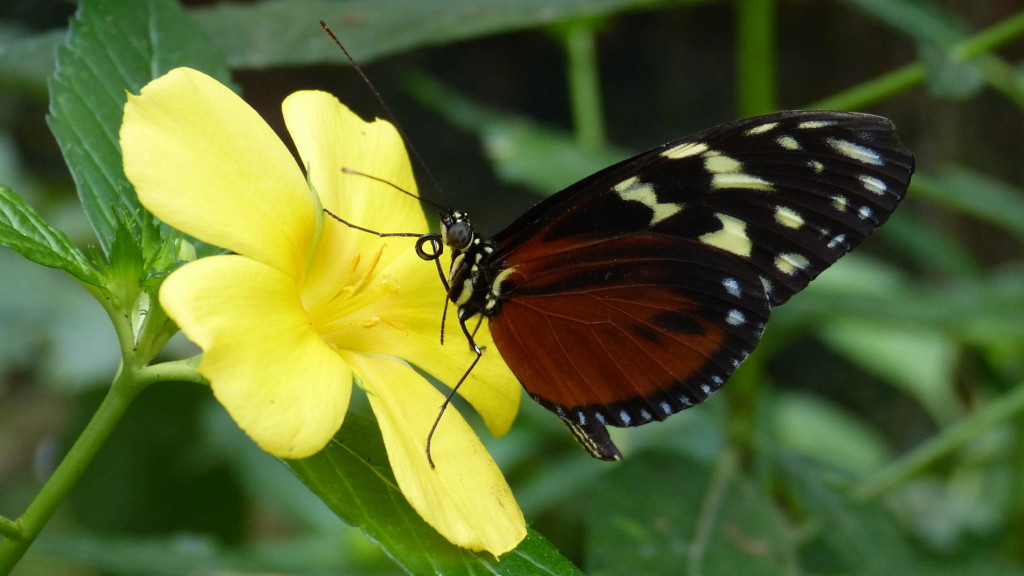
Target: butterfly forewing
[637, 291]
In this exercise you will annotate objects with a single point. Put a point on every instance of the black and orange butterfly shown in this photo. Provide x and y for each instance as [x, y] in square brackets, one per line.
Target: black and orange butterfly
[636, 292]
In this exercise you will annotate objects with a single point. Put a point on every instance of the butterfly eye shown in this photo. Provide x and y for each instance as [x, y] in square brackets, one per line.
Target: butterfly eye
[458, 235]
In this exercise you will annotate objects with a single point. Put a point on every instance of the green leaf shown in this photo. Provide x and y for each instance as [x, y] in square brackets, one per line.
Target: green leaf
[822, 430]
[22, 229]
[920, 362]
[842, 536]
[27, 60]
[114, 47]
[353, 478]
[974, 194]
[661, 513]
[522, 152]
[286, 32]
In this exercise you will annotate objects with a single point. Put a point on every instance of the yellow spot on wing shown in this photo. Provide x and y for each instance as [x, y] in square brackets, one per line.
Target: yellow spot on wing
[718, 164]
[685, 150]
[788, 217]
[812, 124]
[761, 129]
[633, 190]
[731, 238]
[740, 181]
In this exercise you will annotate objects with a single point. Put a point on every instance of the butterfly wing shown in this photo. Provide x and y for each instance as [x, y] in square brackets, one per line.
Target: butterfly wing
[627, 330]
[636, 292]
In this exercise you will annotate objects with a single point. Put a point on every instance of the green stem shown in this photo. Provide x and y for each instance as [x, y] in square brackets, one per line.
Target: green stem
[584, 84]
[176, 371]
[9, 528]
[755, 48]
[907, 77]
[711, 508]
[124, 389]
[941, 445]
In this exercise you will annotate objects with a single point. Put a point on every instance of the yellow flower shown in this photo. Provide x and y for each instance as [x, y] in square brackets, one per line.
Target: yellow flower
[305, 303]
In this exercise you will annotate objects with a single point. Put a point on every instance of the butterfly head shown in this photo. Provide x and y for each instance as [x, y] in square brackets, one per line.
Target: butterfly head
[457, 232]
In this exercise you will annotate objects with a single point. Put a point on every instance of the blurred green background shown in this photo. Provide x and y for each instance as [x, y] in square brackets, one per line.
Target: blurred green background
[879, 429]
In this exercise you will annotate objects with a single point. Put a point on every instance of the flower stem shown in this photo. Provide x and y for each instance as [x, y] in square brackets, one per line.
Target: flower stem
[584, 86]
[908, 76]
[22, 532]
[755, 47]
[1005, 408]
[9, 528]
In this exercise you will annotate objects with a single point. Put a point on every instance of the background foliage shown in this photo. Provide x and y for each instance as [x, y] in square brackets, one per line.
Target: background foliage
[879, 429]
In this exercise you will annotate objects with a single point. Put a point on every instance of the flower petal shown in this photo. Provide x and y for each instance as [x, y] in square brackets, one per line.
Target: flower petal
[465, 497]
[402, 298]
[205, 162]
[330, 138]
[491, 388]
[280, 382]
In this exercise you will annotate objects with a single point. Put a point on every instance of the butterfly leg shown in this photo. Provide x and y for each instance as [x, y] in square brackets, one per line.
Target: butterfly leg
[479, 352]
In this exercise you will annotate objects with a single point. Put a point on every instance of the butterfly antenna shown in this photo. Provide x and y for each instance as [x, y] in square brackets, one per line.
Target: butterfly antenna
[391, 184]
[391, 115]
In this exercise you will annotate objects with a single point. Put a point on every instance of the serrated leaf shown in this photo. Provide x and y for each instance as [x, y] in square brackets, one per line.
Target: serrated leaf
[352, 476]
[23, 230]
[115, 47]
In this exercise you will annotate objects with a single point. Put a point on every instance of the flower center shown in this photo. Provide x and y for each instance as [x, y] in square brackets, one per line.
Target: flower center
[355, 307]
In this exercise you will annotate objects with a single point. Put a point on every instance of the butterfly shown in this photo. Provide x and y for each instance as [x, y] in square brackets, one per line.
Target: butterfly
[636, 292]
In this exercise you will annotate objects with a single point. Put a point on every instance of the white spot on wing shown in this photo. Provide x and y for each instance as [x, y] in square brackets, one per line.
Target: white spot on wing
[855, 151]
[873, 185]
[788, 142]
[839, 240]
[864, 212]
[818, 167]
[732, 287]
[790, 262]
[736, 318]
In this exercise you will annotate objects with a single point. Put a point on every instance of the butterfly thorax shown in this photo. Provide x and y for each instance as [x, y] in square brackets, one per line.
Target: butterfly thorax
[471, 285]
